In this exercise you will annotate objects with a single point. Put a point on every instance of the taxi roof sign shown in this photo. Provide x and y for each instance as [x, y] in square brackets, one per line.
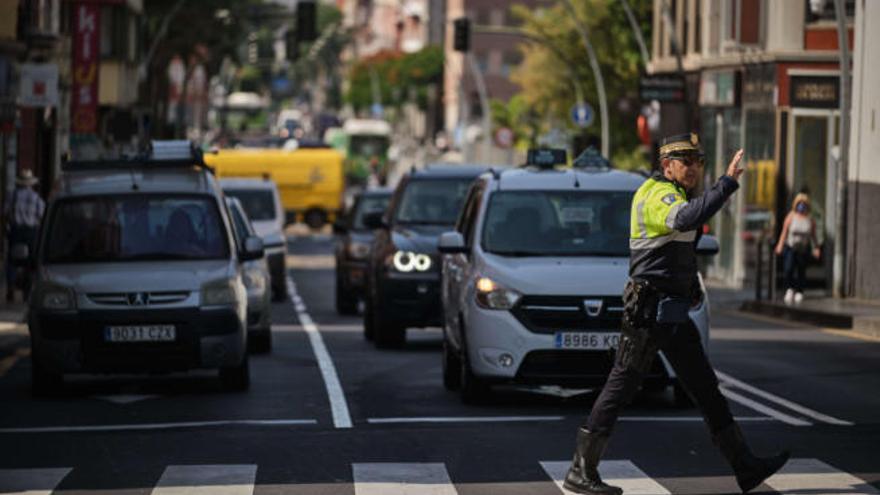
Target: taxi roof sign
[546, 157]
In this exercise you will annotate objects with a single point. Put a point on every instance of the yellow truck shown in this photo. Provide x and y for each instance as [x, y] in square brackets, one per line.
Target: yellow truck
[310, 180]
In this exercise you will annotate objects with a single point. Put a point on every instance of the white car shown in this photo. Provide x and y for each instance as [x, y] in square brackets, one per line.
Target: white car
[533, 277]
[262, 203]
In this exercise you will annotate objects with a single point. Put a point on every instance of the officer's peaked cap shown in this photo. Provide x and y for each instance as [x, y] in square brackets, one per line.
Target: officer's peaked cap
[680, 145]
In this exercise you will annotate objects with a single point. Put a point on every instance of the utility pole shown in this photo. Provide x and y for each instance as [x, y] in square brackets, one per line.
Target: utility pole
[839, 264]
[597, 73]
[484, 105]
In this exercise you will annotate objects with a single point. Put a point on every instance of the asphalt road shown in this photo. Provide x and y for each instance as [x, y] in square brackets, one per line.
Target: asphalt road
[328, 413]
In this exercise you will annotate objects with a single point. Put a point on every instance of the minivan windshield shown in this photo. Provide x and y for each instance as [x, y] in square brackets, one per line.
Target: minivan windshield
[258, 204]
[136, 227]
[432, 202]
[558, 223]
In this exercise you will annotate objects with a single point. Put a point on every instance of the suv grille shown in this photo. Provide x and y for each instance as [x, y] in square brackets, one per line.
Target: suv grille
[550, 314]
[138, 298]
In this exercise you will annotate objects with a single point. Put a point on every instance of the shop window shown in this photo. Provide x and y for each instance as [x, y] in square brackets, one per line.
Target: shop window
[823, 10]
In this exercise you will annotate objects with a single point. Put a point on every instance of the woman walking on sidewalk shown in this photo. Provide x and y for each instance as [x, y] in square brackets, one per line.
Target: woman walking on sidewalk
[797, 237]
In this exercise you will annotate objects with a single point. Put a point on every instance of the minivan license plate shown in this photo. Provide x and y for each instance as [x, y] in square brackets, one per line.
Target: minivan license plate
[599, 341]
[140, 333]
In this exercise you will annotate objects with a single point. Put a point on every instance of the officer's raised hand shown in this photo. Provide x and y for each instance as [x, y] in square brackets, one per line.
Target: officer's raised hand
[733, 170]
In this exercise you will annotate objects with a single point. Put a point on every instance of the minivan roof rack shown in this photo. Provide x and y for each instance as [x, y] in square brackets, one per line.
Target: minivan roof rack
[158, 154]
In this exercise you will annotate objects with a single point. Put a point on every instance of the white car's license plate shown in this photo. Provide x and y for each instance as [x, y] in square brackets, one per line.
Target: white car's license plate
[140, 333]
[587, 340]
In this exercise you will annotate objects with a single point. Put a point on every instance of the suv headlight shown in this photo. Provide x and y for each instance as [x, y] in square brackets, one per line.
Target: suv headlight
[358, 250]
[219, 293]
[407, 262]
[492, 295]
[57, 298]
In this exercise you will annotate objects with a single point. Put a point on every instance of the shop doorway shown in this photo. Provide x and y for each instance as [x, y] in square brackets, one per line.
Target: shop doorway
[812, 168]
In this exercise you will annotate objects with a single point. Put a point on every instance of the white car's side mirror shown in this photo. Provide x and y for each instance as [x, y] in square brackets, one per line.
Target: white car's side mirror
[452, 243]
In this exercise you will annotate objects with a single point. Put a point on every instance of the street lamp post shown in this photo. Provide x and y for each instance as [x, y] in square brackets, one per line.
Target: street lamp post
[597, 73]
[838, 278]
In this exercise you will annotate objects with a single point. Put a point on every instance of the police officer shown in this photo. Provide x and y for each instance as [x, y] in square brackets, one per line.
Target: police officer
[665, 225]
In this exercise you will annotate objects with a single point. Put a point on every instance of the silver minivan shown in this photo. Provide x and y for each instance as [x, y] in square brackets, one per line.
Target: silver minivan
[136, 270]
[533, 278]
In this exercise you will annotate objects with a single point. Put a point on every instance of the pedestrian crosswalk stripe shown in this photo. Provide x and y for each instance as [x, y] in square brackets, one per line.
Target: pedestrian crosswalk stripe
[402, 479]
[798, 477]
[31, 481]
[813, 476]
[216, 479]
[624, 474]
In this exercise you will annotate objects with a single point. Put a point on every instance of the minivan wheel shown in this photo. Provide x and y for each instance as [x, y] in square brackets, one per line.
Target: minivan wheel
[236, 378]
[451, 368]
[472, 389]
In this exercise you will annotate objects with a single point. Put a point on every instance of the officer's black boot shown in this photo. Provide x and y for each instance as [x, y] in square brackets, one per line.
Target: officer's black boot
[750, 470]
[583, 476]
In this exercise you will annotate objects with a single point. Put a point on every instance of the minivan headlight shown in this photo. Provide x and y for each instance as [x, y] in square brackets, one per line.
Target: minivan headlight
[407, 262]
[219, 293]
[254, 280]
[57, 298]
[492, 295]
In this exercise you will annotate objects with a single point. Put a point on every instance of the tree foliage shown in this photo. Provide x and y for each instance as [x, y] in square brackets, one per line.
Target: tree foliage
[400, 77]
[557, 60]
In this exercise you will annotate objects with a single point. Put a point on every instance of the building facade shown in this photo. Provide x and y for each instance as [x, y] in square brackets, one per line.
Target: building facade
[762, 75]
[495, 46]
[863, 195]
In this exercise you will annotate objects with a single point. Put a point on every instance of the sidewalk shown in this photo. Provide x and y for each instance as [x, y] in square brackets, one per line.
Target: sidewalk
[850, 314]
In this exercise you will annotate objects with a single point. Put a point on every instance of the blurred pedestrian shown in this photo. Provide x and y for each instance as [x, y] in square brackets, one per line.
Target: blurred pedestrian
[796, 242]
[24, 210]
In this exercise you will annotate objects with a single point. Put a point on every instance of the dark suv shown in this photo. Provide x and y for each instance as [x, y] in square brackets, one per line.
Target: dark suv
[403, 274]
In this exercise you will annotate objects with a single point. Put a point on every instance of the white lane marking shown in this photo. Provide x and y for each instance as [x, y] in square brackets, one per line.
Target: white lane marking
[31, 481]
[161, 426]
[814, 477]
[761, 408]
[464, 419]
[402, 479]
[688, 418]
[806, 411]
[218, 479]
[338, 404]
[623, 474]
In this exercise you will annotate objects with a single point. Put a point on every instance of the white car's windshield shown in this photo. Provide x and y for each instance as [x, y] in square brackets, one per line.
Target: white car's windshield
[136, 227]
[558, 223]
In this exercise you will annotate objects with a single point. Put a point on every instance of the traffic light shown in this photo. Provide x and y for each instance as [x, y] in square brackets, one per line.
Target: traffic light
[461, 40]
[306, 20]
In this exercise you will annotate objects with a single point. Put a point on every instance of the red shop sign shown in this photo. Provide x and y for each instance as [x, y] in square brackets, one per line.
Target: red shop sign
[86, 30]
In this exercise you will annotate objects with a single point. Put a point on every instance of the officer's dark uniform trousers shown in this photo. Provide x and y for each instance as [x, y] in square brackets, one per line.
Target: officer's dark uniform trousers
[681, 346]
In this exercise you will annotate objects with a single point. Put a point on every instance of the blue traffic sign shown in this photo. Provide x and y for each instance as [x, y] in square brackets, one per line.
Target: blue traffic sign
[582, 115]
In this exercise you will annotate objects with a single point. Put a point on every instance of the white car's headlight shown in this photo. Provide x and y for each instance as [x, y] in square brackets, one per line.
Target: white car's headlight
[492, 295]
[57, 298]
[219, 293]
[254, 280]
[407, 261]
[358, 250]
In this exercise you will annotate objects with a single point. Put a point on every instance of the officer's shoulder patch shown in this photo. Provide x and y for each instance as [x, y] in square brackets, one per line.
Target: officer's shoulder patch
[670, 198]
